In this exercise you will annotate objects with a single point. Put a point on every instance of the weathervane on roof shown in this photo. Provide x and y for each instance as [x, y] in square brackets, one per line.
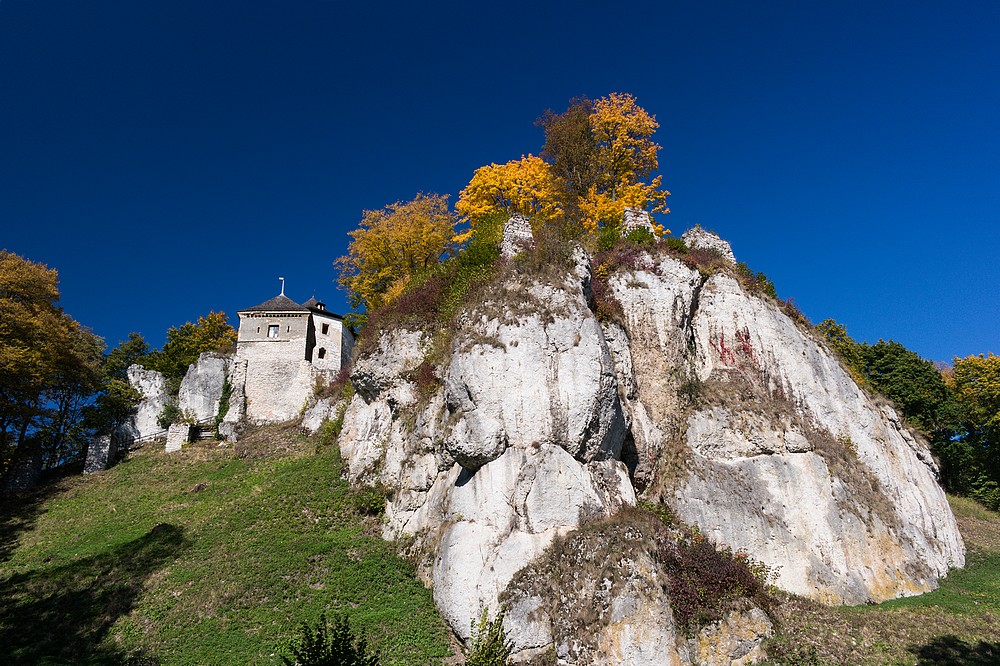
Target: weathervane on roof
[282, 285]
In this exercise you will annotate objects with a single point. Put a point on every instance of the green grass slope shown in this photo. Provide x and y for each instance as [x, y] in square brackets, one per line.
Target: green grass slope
[206, 556]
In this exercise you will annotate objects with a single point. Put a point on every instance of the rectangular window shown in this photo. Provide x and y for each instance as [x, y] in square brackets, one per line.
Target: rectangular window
[272, 331]
[326, 329]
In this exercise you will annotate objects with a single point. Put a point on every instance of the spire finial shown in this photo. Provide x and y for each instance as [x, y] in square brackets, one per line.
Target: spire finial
[282, 285]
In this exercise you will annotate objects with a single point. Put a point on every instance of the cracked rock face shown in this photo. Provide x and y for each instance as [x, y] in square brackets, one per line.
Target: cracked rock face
[704, 397]
[153, 388]
[777, 451]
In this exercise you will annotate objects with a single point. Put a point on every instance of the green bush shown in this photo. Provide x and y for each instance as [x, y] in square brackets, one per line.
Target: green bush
[641, 236]
[676, 244]
[330, 644]
[607, 238]
[489, 645]
[170, 414]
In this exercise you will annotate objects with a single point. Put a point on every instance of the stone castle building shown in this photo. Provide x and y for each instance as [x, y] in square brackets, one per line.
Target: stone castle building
[281, 349]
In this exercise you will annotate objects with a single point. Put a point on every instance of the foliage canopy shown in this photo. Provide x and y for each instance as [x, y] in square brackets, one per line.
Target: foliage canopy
[391, 246]
[49, 366]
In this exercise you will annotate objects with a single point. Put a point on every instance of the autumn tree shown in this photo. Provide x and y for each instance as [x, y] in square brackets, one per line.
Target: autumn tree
[527, 186]
[391, 246]
[48, 364]
[605, 153]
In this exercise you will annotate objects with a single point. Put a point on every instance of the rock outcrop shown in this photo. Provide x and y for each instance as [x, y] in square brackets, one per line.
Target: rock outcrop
[538, 419]
[697, 238]
[203, 386]
[153, 388]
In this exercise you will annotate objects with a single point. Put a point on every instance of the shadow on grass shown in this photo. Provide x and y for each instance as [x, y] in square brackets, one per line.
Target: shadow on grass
[61, 615]
[18, 514]
[953, 651]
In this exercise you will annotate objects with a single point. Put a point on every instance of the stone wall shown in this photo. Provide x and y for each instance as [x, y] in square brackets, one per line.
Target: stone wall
[290, 343]
[636, 218]
[98, 454]
[177, 435]
[276, 389]
[516, 235]
[24, 475]
[330, 349]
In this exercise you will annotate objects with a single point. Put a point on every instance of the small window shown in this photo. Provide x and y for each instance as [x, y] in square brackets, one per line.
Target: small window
[287, 329]
[272, 331]
[322, 353]
[258, 329]
[326, 329]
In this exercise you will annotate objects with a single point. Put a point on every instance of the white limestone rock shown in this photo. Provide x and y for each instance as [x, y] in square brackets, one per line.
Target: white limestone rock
[636, 218]
[153, 388]
[235, 417]
[698, 238]
[545, 377]
[720, 406]
[862, 519]
[506, 513]
[599, 596]
[852, 514]
[201, 388]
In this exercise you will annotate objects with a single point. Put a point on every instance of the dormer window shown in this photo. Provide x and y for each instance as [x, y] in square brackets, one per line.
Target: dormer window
[272, 331]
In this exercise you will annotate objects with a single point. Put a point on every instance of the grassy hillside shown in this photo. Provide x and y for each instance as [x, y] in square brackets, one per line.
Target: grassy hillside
[216, 555]
[207, 556]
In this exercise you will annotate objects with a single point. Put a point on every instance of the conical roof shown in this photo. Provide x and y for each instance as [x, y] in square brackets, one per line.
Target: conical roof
[279, 303]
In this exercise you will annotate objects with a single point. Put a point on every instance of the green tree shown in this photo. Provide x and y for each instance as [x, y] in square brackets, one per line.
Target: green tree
[211, 333]
[116, 398]
[976, 380]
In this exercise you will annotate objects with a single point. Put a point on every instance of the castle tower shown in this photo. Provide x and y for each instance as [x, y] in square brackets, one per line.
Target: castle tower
[285, 347]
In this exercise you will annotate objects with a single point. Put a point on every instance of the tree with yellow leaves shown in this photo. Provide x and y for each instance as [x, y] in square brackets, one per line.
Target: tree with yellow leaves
[527, 186]
[604, 150]
[49, 364]
[391, 246]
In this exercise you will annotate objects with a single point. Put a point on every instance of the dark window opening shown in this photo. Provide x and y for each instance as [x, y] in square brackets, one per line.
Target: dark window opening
[326, 329]
[322, 353]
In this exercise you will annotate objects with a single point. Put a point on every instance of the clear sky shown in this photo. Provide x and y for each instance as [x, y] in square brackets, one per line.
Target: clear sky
[178, 156]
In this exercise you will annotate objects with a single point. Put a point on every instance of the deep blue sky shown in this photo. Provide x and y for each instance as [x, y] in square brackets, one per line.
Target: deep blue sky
[171, 158]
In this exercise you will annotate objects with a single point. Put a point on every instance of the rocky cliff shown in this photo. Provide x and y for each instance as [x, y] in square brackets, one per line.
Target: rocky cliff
[690, 391]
